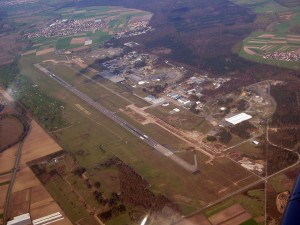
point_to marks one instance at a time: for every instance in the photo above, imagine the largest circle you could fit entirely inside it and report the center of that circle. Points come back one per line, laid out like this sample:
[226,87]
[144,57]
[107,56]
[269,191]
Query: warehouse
[234,120]
[20,220]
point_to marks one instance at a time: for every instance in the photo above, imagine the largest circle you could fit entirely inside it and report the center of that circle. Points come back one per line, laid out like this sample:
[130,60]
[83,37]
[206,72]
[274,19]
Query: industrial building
[23,219]
[234,120]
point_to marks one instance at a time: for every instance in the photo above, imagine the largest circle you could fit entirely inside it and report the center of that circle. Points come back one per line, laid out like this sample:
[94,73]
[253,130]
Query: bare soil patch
[82,48]
[3,191]
[294,39]
[7,159]
[267,36]
[28,193]
[77,41]
[4,178]
[298,51]
[19,203]
[278,42]
[282,200]
[10,131]
[233,215]
[45,51]
[34,148]
[196,219]
[249,51]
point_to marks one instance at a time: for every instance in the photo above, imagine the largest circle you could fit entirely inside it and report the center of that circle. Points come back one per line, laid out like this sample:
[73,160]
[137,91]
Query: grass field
[66,199]
[261,6]
[250,150]
[252,201]
[183,119]
[273,31]
[117,19]
[65,43]
[89,132]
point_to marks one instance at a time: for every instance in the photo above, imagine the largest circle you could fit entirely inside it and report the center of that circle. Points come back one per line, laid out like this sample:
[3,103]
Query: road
[11,183]
[245,188]
[155,145]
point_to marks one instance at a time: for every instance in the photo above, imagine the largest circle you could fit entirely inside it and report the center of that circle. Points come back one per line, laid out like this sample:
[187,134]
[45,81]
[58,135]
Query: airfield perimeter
[109,128]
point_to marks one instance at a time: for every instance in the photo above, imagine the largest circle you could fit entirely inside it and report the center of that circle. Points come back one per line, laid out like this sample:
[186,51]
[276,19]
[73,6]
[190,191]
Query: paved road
[120,121]
[12,180]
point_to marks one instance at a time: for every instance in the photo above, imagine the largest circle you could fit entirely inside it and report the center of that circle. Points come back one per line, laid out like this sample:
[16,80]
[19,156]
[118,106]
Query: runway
[155,145]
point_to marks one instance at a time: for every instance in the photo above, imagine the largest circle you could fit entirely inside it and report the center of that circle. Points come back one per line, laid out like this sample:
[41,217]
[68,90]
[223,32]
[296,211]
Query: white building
[238,118]
[20,220]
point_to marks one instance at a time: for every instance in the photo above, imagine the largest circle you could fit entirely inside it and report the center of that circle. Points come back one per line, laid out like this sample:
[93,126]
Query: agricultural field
[27,192]
[105,172]
[11,130]
[278,41]
[86,130]
[261,45]
[84,27]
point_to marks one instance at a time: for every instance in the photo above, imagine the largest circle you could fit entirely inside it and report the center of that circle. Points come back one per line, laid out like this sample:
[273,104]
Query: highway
[155,145]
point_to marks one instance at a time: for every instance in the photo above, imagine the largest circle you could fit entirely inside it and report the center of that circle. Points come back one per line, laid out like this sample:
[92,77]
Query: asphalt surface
[15,169]
[155,145]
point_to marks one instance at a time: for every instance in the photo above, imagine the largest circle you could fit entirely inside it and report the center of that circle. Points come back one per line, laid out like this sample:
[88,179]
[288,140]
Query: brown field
[249,51]
[24,179]
[82,109]
[79,48]
[29,52]
[45,51]
[136,19]
[19,203]
[28,190]
[278,42]
[77,41]
[7,159]
[233,215]
[10,130]
[267,36]
[4,178]
[34,148]
[196,219]
[298,51]
[3,190]
[293,36]
[293,39]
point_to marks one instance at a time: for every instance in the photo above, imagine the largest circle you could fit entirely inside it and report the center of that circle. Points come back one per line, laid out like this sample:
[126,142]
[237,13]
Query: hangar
[238,118]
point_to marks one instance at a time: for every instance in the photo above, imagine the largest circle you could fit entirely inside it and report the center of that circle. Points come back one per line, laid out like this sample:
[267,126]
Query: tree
[97,184]
[225,136]
[211,138]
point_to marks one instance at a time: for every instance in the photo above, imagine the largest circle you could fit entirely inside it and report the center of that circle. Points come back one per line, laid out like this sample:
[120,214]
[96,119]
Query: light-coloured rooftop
[238,118]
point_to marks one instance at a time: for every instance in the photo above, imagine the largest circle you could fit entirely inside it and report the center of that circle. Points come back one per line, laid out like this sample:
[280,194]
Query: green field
[88,132]
[261,6]
[184,119]
[275,18]
[252,201]
[119,19]
[65,43]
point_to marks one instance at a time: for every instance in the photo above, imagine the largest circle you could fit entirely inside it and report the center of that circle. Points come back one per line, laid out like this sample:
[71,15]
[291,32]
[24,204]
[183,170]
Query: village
[13,2]
[283,56]
[135,29]
[66,27]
